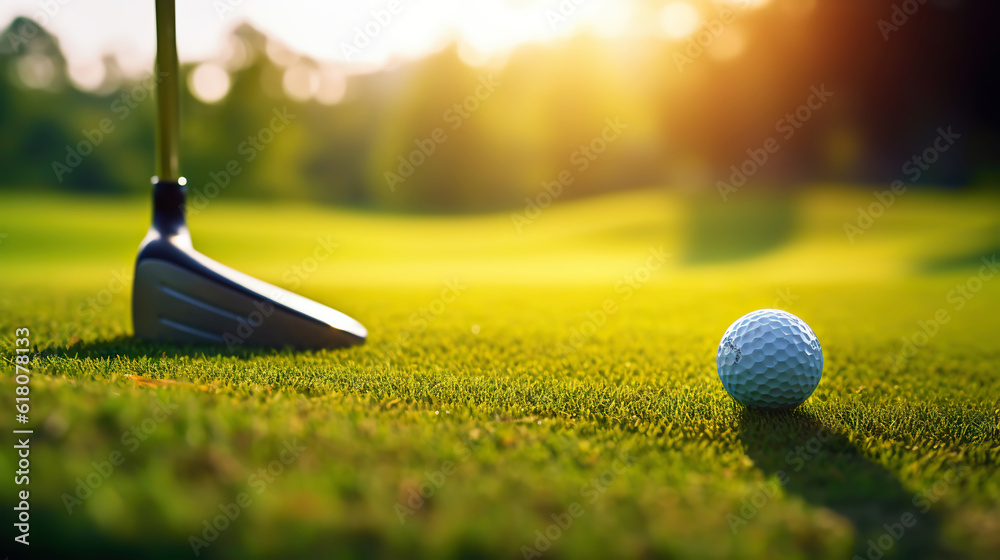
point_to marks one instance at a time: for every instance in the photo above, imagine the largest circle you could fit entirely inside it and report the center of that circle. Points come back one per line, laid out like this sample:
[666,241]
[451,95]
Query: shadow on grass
[965,261]
[822,467]
[720,231]
[131,347]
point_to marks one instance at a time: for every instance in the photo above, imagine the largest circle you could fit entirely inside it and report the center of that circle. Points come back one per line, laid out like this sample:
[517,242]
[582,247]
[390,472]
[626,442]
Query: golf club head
[181,295]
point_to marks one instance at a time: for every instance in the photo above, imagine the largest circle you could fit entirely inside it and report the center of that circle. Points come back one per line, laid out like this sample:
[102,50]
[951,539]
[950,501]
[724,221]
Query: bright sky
[327,30]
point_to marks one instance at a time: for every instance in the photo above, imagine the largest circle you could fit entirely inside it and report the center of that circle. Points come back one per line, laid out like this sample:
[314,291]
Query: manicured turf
[564,378]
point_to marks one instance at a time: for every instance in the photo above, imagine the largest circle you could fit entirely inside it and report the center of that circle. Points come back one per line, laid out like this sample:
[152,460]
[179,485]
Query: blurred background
[521,91]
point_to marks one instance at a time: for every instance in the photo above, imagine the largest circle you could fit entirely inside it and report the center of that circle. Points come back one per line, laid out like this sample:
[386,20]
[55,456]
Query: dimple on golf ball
[770,359]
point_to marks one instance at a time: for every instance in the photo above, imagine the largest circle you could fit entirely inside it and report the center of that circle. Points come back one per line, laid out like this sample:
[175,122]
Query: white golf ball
[770,359]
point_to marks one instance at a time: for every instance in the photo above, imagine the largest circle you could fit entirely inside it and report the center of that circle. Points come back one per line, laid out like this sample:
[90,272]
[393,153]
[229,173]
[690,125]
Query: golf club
[181,295]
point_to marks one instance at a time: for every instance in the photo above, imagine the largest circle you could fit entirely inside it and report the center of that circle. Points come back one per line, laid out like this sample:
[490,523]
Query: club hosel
[168,208]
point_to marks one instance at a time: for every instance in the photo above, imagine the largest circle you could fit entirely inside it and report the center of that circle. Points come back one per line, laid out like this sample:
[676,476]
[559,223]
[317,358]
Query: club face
[183,296]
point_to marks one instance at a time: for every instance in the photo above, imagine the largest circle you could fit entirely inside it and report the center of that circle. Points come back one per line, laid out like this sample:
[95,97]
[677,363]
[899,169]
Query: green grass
[510,390]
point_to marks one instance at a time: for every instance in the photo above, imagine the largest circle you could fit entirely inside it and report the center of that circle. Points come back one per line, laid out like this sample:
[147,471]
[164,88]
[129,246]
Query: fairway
[549,392]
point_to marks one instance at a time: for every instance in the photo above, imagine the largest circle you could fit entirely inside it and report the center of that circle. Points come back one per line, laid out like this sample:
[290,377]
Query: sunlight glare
[88,76]
[679,19]
[301,82]
[729,45]
[332,86]
[209,82]
[36,71]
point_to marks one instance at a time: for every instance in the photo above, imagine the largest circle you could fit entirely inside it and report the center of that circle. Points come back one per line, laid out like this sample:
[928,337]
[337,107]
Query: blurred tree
[437,134]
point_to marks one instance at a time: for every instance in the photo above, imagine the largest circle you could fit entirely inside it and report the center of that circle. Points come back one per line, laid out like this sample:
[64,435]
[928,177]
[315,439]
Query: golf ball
[770,359]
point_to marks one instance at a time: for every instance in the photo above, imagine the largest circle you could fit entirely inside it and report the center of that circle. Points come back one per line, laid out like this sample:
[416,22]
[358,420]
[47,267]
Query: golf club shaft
[167,91]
